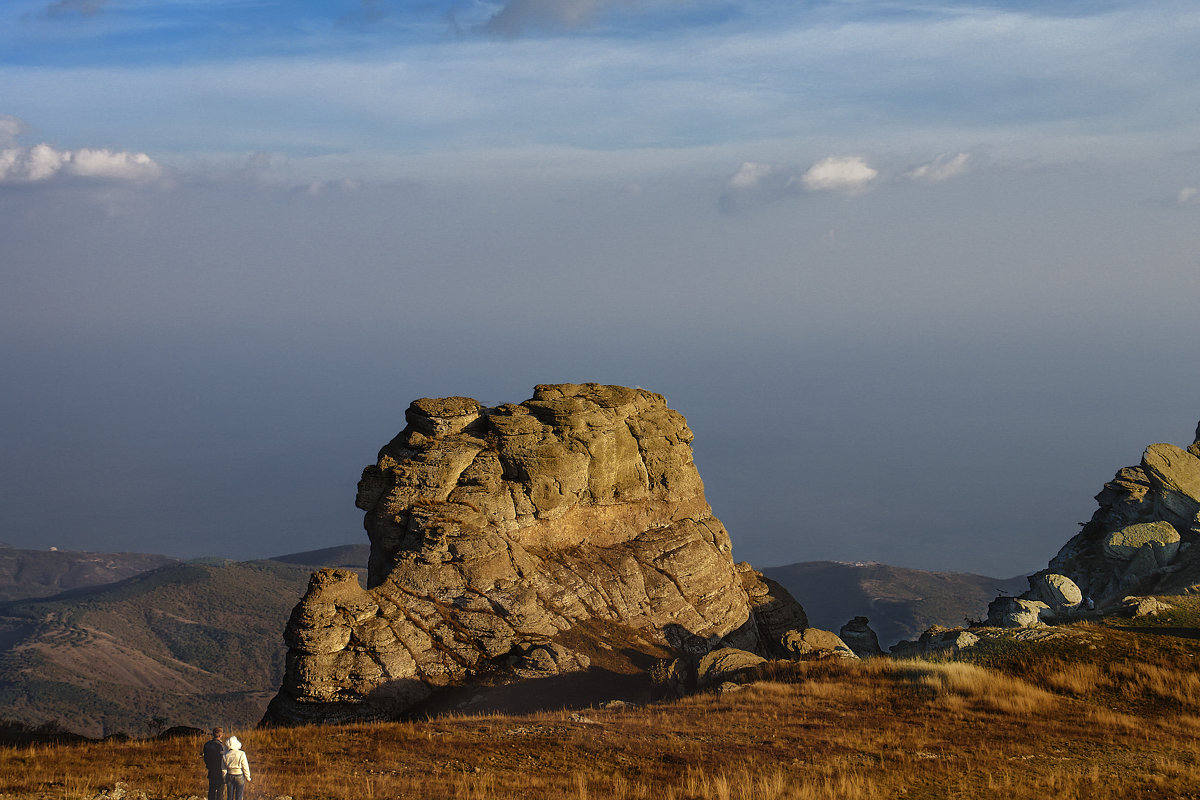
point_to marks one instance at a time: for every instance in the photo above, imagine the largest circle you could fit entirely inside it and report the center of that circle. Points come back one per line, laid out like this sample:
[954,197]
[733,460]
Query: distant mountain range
[103,643]
[194,643]
[42,573]
[900,603]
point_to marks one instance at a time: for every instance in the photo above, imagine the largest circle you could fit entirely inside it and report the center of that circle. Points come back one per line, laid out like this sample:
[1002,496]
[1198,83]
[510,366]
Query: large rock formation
[1139,540]
[506,542]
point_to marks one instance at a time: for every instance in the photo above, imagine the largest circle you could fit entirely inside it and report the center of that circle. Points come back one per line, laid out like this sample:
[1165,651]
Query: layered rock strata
[503,538]
[1138,541]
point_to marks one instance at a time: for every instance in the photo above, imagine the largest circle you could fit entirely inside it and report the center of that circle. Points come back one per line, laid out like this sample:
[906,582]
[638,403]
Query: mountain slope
[346,556]
[43,573]
[900,602]
[185,644]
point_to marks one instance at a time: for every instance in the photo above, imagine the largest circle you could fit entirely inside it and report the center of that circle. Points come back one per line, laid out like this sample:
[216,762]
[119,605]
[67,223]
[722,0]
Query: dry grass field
[1095,712]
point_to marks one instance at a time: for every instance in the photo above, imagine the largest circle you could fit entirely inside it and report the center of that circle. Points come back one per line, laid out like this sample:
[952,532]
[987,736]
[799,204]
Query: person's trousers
[216,786]
[237,786]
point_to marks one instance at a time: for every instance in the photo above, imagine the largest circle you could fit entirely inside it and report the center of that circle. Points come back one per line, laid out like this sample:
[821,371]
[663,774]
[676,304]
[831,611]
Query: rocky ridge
[1140,540]
[525,541]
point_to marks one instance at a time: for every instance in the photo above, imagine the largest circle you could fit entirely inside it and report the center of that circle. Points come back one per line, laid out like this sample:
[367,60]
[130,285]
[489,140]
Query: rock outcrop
[936,641]
[859,637]
[1137,542]
[506,541]
[1018,612]
[725,666]
[816,644]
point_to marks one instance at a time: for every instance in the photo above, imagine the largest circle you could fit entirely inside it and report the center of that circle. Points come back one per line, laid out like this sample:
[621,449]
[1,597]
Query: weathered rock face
[1137,540]
[499,534]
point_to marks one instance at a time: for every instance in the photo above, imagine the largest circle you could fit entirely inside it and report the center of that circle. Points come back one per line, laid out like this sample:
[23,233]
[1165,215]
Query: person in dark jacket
[214,760]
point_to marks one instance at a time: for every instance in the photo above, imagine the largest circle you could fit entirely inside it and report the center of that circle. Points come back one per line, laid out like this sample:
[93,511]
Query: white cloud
[107,164]
[839,174]
[1187,195]
[751,175]
[10,128]
[8,161]
[940,169]
[44,162]
[756,182]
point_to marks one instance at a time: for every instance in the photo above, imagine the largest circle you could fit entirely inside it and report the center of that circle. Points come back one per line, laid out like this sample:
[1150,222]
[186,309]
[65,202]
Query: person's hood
[233,743]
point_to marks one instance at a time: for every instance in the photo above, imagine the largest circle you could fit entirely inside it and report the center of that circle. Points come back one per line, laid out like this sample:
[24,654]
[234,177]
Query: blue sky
[921,275]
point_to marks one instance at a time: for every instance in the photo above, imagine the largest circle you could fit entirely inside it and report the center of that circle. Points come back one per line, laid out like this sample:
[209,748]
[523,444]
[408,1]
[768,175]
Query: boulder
[544,659]
[951,640]
[509,541]
[936,640]
[1017,612]
[725,665]
[814,643]
[859,637]
[1057,591]
[1159,539]
[1144,606]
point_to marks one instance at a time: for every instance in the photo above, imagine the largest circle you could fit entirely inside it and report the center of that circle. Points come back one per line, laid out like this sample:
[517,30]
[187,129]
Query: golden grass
[1141,679]
[1078,679]
[969,686]
[804,731]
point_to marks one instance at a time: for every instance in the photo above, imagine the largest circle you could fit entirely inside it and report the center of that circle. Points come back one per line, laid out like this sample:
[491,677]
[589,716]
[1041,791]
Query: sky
[921,275]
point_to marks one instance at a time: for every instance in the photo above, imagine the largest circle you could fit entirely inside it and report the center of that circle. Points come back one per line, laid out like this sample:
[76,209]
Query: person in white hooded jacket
[237,769]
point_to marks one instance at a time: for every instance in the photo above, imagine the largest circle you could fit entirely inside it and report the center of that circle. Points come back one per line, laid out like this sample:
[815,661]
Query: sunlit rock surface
[497,533]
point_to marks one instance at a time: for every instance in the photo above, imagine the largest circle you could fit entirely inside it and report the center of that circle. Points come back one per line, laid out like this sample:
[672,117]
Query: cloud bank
[44,162]
[757,182]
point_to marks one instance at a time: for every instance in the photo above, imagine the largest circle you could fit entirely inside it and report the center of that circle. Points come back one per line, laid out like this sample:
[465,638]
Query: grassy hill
[901,603]
[1105,710]
[193,644]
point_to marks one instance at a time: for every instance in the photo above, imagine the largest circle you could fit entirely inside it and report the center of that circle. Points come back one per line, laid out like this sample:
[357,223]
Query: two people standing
[227,766]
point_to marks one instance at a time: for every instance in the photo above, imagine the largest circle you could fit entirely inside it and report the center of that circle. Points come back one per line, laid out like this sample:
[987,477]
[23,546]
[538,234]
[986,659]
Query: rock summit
[524,541]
